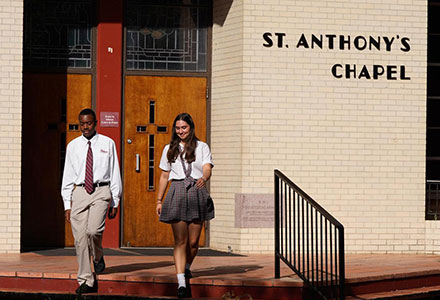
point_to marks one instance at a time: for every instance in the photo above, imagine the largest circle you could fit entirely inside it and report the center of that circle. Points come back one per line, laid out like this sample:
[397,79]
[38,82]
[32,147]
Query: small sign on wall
[109,119]
[254,211]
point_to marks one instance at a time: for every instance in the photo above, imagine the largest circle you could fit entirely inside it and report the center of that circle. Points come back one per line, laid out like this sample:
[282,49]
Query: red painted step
[430,292]
[159,287]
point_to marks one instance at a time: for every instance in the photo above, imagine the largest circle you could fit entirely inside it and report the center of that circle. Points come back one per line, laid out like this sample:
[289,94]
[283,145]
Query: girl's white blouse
[203,156]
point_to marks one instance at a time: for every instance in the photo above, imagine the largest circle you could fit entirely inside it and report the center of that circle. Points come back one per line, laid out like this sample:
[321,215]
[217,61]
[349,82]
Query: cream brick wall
[11,36]
[226,129]
[356,146]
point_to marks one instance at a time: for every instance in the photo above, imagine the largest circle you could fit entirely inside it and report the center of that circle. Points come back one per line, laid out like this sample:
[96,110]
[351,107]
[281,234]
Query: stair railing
[308,240]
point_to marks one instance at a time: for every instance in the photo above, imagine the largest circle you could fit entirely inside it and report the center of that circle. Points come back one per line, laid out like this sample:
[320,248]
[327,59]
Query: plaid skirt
[183,203]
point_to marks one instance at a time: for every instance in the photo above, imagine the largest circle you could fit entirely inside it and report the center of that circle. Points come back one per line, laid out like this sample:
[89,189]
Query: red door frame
[109,86]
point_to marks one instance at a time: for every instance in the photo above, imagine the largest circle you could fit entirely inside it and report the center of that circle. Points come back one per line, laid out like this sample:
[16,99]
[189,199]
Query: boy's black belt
[98,184]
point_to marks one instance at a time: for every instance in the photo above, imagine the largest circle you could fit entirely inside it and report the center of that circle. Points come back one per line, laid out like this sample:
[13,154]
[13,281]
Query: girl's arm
[163,182]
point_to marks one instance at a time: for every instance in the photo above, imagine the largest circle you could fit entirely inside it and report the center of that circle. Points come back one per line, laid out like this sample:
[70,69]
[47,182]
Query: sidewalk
[149,273]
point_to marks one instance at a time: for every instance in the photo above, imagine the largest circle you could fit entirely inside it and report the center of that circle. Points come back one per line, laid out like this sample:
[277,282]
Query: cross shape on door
[151,129]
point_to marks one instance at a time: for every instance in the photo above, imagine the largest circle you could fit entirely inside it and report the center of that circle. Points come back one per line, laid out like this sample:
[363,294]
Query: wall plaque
[109,119]
[254,210]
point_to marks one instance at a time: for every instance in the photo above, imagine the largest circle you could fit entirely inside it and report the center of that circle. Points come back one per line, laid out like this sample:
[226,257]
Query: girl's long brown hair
[190,142]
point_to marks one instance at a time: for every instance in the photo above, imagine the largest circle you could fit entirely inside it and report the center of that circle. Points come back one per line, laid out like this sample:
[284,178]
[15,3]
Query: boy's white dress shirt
[105,167]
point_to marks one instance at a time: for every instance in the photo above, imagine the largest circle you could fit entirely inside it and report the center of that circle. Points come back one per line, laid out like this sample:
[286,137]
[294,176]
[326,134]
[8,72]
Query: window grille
[167,35]
[58,33]
[432,206]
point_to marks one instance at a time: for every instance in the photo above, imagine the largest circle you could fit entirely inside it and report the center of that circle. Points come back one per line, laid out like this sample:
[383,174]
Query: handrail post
[277,227]
[341,264]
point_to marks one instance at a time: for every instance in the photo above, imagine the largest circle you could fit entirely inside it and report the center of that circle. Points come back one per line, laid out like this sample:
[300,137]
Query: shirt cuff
[114,203]
[66,204]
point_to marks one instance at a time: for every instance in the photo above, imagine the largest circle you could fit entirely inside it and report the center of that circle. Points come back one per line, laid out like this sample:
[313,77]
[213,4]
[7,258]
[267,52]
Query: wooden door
[79,96]
[48,99]
[151,103]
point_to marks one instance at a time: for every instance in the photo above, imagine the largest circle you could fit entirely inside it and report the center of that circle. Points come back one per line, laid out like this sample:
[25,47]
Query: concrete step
[257,290]
[13,294]
[390,283]
[425,293]
[42,295]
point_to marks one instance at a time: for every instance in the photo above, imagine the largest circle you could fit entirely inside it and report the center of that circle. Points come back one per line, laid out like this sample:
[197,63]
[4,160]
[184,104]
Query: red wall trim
[109,86]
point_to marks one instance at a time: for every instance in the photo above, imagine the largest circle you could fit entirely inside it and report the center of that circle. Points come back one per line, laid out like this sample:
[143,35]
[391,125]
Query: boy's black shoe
[85,289]
[99,266]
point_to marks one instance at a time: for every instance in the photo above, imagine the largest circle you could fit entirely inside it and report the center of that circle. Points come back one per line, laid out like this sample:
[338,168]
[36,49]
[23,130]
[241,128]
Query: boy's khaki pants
[88,222]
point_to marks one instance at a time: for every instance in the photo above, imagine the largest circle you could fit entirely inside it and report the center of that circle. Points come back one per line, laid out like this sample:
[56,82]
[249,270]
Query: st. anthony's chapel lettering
[390,72]
[346,42]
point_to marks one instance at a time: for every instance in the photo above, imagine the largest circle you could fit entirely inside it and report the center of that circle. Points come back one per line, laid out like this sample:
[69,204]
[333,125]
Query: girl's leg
[194,230]
[180,232]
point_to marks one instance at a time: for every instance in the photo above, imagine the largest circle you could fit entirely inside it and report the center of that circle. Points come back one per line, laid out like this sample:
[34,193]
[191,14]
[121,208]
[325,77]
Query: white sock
[187,266]
[181,279]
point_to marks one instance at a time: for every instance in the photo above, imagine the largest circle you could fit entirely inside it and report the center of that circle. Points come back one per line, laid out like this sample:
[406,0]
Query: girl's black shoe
[184,292]
[181,292]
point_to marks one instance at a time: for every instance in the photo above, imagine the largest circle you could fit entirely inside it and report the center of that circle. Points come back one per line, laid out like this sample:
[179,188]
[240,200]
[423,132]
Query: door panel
[79,96]
[151,104]
[46,99]
[43,125]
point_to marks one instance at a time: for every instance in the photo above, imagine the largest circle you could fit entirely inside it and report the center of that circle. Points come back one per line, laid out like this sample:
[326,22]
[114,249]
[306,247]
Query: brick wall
[11,36]
[226,128]
[356,145]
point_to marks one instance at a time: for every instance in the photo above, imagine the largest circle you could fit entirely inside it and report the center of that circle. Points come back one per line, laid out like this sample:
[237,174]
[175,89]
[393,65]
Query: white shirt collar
[92,140]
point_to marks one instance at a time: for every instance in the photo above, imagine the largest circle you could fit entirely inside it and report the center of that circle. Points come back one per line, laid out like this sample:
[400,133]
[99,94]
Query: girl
[187,163]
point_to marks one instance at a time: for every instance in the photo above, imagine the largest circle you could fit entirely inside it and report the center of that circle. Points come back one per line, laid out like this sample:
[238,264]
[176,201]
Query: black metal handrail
[308,240]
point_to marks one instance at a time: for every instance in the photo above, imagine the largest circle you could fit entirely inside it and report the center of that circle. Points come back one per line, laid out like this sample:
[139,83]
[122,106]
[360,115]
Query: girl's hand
[201,183]
[158,208]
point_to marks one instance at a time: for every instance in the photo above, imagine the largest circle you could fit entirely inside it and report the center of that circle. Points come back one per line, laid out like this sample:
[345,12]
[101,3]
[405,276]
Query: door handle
[138,163]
